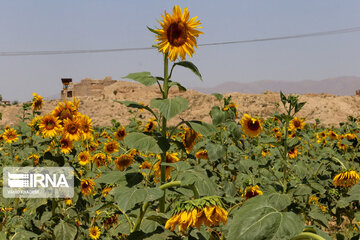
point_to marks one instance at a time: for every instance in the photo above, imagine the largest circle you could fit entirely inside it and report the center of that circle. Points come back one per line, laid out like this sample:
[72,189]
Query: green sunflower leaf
[65,230]
[142,142]
[189,65]
[261,218]
[144,78]
[170,107]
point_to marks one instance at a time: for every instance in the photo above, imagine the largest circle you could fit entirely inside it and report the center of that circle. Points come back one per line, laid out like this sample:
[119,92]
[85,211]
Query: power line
[306,35]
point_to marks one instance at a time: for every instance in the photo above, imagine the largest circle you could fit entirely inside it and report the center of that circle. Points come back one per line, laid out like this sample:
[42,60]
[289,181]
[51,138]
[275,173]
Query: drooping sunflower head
[106,191]
[84,158]
[123,161]
[297,123]
[10,135]
[193,213]
[120,133]
[87,186]
[252,192]
[66,145]
[178,33]
[94,232]
[35,158]
[189,138]
[111,147]
[251,126]
[72,129]
[49,126]
[346,179]
[37,102]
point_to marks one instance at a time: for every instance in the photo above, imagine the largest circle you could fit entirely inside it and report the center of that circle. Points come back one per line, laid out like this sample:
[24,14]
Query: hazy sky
[28,25]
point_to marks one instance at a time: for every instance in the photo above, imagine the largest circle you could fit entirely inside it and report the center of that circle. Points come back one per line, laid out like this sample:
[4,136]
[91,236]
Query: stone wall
[87,87]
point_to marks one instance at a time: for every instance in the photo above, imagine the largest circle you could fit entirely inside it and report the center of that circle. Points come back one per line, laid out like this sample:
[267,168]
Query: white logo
[38,182]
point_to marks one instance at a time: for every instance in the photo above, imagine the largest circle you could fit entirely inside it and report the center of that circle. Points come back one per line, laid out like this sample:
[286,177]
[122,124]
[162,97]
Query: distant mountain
[342,86]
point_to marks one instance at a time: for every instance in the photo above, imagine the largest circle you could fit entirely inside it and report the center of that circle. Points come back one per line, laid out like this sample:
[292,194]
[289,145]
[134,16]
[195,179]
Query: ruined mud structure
[87,87]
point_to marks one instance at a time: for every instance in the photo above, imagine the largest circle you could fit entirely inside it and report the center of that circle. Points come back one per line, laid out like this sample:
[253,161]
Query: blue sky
[28,25]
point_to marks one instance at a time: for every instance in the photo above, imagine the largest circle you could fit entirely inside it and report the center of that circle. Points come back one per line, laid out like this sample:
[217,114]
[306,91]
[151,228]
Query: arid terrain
[330,109]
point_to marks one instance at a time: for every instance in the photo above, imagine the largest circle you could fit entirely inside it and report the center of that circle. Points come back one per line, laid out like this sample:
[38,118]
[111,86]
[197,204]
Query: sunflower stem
[163,129]
[140,217]
[341,163]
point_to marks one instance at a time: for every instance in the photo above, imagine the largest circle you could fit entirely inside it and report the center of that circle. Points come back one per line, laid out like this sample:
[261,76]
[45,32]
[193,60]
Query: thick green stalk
[140,216]
[163,128]
[286,150]
[308,235]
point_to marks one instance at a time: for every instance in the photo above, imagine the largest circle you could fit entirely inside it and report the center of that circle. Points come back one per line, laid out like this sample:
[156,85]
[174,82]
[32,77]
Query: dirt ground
[330,109]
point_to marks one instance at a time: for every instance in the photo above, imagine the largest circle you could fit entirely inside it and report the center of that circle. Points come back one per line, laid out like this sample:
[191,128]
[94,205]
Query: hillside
[343,86]
[330,109]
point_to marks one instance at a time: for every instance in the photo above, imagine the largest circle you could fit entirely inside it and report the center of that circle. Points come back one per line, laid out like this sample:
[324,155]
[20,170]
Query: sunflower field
[239,177]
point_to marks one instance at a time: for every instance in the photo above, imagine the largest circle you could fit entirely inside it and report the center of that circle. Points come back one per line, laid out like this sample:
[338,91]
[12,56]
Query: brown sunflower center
[253,125]
[50,124]
[72,128]
[177,34]
[297,124]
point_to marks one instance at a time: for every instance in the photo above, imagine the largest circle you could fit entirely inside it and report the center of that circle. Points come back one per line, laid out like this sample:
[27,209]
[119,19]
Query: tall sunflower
[10,135]
[189,139]
[251,126]
[178,33]
[150,126]
[37,102]
[49,126]
[99,159]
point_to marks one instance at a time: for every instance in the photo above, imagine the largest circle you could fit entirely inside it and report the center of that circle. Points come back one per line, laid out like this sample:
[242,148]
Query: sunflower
[110,221]
[87,186]
[10,135]
[49,126]
[99,159]
[251,126]
[202,154]
[94,232]
[35,158]
[67,110]
[111,147]
[84,158]
[68,201]
[92,146]
[170,158]
[120,133]
[145,165]
[207,211]
[86,127]
[297,123]
[293,153]
[346,179]
[252,192]
[37,102]
[313,200]
[66,145]
[123,161]
[177,34]
[332,135]
[106,191]
[341,145]
[34,124]
[189,139]
[150,126]
[72,129]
